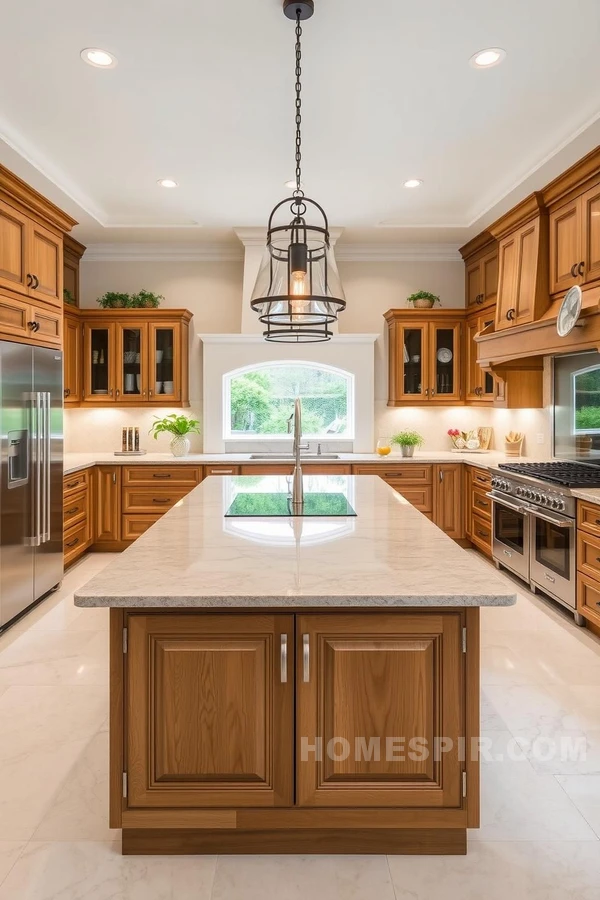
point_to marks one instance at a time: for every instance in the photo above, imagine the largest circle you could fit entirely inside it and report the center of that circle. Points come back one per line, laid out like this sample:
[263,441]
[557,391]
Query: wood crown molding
[159,314]
[75,248]
[573,178]
[445,312]
[13,187]
[527,209]
[479,244]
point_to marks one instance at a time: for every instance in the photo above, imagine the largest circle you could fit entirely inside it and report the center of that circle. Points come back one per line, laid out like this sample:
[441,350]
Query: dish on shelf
[445,355]
[129,356]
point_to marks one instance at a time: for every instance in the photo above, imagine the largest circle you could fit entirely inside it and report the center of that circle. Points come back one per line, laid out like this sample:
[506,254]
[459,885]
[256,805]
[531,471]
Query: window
[258,400]
[586,400]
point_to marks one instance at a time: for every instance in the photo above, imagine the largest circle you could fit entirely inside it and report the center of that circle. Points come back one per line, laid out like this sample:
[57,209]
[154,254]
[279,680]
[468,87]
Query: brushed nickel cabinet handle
[306,657]
[283,658]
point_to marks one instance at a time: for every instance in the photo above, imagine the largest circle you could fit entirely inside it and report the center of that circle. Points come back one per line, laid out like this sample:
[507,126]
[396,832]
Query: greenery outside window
[586,400]
[259,400]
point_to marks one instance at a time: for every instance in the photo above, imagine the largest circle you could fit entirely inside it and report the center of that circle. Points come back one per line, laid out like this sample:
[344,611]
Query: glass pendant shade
[298,291]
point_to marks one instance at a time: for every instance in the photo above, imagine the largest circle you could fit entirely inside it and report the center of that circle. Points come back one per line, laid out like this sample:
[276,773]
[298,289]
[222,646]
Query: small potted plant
[69,298]
[423,300]
[179,426]
[146,300]
[407,441]
[114,300]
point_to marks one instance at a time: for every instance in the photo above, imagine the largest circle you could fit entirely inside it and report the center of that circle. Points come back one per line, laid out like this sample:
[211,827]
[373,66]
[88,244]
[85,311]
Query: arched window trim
[228,377]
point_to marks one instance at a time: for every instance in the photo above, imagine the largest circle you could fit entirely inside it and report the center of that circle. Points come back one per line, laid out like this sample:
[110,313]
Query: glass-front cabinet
[134,357]
[424,357]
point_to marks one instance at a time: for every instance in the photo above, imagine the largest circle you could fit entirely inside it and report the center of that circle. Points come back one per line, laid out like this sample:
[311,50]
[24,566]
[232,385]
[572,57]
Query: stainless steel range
[534,524]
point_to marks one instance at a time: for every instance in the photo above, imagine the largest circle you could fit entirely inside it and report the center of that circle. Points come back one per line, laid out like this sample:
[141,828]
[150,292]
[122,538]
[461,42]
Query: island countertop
[388,555]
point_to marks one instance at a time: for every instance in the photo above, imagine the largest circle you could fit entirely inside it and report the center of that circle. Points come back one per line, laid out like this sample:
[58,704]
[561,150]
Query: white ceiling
[203,93]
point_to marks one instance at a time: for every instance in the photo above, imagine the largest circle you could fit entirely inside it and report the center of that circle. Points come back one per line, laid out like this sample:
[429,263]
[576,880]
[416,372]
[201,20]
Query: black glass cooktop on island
[255,504]
[568,474]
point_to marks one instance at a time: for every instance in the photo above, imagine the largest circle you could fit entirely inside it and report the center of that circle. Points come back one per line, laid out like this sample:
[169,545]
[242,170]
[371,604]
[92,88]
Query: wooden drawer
[588,518]
[588,555]
[419,497]
[178,476]
[480,504]
[76,541]
[588,598]
[411,473]
[146,500]
[221,470]
[134,526]
[14,315]
[481,534]
[48,324]
[76,482]
[480,478]
[75,508]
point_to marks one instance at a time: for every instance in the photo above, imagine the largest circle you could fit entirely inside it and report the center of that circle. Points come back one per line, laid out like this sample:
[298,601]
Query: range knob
[561,505]
[519,492]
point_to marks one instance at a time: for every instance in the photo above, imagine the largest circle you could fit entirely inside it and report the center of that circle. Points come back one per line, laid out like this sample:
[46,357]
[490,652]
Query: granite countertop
[592,495]
[73,462]
[389,555]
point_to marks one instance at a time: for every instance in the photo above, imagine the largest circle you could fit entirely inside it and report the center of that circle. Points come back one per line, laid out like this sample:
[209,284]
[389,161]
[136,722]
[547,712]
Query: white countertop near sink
[388,555]
[73,462]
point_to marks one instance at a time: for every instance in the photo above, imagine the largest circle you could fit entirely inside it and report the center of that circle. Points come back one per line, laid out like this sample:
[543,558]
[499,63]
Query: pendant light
[298,292]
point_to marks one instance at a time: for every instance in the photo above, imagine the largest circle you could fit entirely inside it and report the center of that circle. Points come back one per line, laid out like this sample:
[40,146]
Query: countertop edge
[300,603]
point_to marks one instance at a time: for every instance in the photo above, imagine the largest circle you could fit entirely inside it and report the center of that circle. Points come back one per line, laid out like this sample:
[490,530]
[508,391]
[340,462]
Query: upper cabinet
[425,358]
[129,357]
[481,272]
[72,253]
[575,241]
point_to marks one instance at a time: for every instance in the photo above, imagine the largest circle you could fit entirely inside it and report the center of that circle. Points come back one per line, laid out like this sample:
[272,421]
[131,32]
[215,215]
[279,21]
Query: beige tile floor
[540,834]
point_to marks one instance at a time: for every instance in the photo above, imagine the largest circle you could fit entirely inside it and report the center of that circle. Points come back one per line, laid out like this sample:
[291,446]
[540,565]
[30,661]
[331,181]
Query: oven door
[553,555]
[510,535]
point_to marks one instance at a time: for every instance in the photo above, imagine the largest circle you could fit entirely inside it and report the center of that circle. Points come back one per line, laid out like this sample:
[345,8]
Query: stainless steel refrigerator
[31,469]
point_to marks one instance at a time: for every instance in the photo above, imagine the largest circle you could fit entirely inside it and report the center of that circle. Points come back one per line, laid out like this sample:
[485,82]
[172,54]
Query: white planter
[406,451]
[180,446]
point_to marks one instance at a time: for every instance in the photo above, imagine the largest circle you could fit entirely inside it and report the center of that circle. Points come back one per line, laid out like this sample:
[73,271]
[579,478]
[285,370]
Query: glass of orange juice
[384,446]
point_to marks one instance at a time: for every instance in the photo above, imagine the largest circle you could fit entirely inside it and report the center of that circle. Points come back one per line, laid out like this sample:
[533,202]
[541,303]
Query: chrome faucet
[297,487]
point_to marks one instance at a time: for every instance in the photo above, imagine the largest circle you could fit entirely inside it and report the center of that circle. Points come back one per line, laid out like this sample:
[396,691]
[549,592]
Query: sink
[290,456]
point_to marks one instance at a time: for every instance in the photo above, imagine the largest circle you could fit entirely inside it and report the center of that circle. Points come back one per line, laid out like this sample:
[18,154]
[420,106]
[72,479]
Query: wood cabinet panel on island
[107,504]
[588,566]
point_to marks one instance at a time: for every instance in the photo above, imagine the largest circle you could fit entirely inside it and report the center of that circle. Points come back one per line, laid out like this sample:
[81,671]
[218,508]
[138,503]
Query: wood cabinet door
[444,362]
[48,323]
[448,499]
[507,282]
[565,246]
[359,740]
[99,363]
[473,283]
[165,372]
[14,228]
[131,362]
[45,253]
[590,211]
[489,278]
[474,388]
[412,365]
[14,316]
[528,241]
[209,718]
[107,504]
[72,339]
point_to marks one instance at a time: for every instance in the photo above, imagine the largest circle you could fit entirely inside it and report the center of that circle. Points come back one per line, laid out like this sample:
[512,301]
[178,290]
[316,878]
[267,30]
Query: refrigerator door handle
[35,432]
[47,457]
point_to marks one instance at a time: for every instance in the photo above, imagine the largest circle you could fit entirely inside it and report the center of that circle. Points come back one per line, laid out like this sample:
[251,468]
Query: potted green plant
[423,300]
[407,441]
[146,300]
[179,426]
[114,300]
[69,298]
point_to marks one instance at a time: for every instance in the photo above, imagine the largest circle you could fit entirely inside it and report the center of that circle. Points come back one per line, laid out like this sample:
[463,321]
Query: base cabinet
[107,504]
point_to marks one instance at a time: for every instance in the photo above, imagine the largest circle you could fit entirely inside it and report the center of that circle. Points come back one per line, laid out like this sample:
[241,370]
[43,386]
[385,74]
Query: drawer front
[76,482]
[146,500]
[134,526]
[408,472]
[221,470]
[480,504]
[419,497]
[588,518]
[588,598]
[588,555]
[480,478]
[75,509]
[76,541]
[481,534]
[178,476]
[287,469]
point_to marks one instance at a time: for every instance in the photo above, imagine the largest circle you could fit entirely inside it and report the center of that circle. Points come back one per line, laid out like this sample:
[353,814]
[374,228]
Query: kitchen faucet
[297,487]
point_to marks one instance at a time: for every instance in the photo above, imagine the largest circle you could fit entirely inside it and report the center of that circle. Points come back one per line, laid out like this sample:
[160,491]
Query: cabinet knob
[479,299]
[37,282]
[29,280]
[510,314]
[67,392]
[118,392]
[573,270]
[581,268]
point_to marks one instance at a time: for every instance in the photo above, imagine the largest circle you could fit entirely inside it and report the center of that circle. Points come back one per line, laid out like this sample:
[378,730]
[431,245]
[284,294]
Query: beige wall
[213,293]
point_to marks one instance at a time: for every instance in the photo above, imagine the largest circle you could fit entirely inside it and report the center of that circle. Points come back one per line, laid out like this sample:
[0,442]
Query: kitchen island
[306,684]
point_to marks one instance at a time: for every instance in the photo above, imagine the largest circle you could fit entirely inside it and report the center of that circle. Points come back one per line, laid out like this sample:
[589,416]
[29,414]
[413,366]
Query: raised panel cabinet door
[507,283]
[99,363]
[72,339]
[473,283]
[528,241]
[14,316]
[13,249]
[209,720]
[590,209]
[45,254]
[48,325]
[489,278]
[374,693]
[448,499]
[107,504]
[566,251]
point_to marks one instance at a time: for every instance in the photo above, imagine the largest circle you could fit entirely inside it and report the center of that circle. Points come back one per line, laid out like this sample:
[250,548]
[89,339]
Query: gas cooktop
[568,474]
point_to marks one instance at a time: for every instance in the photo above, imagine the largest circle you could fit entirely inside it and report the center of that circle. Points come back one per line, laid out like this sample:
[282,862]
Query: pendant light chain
[298,193]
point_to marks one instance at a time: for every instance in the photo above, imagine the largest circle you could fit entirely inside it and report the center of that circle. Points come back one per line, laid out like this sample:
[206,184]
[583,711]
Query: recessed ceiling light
[167,182]
[485,59]
[413,182]
[101,59]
